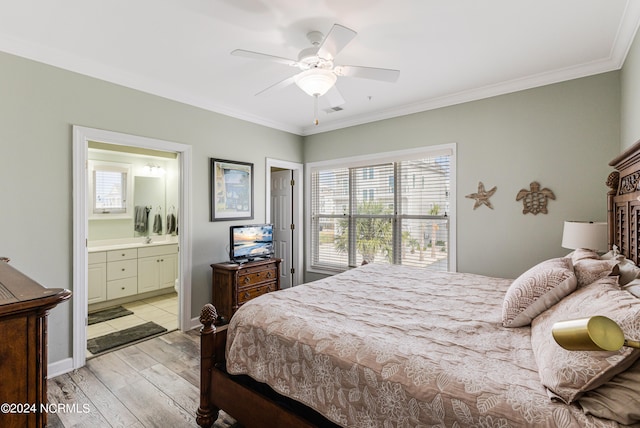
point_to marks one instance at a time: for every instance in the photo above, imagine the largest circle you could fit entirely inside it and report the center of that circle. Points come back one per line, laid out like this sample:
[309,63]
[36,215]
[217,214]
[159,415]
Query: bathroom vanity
[126,271]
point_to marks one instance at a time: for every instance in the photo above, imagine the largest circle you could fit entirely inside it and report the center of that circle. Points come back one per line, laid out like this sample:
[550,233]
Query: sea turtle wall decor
[535,199]
[482,196]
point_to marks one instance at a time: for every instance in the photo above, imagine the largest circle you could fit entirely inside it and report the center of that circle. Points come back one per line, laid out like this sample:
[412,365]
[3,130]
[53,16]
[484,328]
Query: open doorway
[151,270]
[284,211]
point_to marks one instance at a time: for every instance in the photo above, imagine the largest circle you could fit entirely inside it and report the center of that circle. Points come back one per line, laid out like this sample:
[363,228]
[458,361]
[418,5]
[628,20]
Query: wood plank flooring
[150,384]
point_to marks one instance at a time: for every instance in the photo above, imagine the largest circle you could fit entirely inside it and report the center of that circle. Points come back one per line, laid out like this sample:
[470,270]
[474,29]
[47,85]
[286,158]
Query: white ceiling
[448,51]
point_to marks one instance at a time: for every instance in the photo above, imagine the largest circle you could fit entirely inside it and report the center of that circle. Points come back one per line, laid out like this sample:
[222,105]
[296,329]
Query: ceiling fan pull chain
[315,108]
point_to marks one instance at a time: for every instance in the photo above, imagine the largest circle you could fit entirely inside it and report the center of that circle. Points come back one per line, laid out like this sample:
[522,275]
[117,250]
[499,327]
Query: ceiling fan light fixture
[316,82]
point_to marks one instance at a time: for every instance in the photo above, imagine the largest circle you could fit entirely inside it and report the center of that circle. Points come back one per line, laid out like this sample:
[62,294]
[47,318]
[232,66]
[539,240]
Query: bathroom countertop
[98,246]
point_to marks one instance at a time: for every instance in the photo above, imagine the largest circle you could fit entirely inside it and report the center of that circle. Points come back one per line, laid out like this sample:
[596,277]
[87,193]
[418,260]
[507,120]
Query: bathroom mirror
[149,192]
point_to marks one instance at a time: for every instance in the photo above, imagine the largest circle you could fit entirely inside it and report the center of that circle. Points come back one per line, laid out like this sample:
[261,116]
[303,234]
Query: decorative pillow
[618,399]
[633,287]
[628,270]
[582,254]
[568,374]
[536,290]
[589,270]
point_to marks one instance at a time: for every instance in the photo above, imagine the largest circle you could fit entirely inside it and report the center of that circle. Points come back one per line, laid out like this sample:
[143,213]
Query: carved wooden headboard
[623,203]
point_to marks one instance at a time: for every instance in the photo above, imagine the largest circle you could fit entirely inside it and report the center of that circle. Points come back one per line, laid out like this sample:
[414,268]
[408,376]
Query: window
[110,189]
[392,208]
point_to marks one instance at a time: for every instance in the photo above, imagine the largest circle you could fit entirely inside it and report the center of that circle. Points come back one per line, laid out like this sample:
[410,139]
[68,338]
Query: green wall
[561,135]
[38,106]
[630,95]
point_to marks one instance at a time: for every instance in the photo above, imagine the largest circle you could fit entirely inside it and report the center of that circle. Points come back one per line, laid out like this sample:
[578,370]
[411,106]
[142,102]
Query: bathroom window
[110,188]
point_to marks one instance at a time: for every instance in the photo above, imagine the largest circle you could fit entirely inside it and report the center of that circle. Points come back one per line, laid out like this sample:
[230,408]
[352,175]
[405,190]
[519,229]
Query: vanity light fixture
[154,170]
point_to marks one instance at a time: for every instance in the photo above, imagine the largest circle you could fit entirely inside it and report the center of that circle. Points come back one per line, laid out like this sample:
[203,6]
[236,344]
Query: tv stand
[235,284]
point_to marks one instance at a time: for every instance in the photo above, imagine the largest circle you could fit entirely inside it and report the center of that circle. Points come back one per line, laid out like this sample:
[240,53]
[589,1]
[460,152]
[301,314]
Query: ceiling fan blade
[383,74]
[334,97]
[336,40]
[261,56]
[281,84]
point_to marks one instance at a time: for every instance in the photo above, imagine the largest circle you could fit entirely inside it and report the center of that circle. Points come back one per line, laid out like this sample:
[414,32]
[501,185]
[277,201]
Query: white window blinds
[110,188]
[383,211]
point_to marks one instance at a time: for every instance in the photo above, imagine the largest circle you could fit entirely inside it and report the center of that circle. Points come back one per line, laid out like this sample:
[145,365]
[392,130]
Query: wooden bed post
[207,414]
[612,183]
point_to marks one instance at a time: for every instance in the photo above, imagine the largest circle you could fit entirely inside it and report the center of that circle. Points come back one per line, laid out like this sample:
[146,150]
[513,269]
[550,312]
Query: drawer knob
[122,254]
[122,269]
[268,274]
[246,295]
[246,280]
[122,288]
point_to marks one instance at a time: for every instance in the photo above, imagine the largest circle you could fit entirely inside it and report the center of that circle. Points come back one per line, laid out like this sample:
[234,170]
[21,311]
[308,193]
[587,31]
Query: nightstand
[235,284]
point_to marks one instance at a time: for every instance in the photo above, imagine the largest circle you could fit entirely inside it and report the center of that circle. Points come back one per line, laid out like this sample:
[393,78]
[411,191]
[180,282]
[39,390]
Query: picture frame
[231,190]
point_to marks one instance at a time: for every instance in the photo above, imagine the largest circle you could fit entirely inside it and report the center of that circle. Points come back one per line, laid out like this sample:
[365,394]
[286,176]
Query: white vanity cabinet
[119,273]
[97,277]
[157,267]
[122,273]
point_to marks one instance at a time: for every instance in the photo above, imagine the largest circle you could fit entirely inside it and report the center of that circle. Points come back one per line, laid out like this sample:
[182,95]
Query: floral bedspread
[395,346]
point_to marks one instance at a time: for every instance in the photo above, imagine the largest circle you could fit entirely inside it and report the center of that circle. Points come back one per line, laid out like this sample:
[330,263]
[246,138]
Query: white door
[282,219]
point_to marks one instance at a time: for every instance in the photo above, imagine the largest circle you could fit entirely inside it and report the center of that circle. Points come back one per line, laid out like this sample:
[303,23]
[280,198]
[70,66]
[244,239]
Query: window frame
[124,168]
[372,159]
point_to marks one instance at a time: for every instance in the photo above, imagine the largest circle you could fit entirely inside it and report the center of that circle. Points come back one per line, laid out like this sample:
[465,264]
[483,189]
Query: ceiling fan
[318,73]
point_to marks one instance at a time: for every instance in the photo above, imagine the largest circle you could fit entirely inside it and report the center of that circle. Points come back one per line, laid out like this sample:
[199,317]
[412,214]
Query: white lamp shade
[585,234]
[316,81]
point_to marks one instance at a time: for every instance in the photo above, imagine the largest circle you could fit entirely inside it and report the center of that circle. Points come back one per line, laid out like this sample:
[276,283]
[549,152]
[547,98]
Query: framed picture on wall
[231,190]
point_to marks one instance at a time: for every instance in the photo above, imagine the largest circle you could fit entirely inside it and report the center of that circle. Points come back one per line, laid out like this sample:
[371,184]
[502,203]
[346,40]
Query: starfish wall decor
[482,196]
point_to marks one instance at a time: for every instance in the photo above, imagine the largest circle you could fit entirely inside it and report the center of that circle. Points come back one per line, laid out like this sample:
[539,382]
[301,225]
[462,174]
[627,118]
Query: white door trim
[81,138]
[298,218]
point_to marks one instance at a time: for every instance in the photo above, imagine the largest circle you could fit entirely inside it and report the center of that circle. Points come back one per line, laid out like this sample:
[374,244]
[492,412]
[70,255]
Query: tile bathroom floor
[162,310]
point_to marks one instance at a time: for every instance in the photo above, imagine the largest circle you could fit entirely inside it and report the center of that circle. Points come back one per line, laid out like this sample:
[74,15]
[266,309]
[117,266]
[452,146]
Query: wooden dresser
[235,284]
[24,305]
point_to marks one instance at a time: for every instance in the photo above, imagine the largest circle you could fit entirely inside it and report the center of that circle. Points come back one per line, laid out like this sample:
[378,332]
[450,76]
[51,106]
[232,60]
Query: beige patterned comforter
[395,346]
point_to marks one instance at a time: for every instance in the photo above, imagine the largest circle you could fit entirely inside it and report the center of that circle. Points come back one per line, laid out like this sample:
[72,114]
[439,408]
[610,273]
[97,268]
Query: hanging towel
[141,221]
[157,224]
[171,224]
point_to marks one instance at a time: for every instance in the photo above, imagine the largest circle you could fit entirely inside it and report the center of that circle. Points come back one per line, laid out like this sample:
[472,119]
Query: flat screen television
[251,242]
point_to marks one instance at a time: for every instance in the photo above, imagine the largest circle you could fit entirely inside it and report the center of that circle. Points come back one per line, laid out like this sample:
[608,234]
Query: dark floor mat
[124,337]
[108,314]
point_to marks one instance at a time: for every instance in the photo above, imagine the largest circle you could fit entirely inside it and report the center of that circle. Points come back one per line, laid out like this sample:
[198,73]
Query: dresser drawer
[123,269]
[249,278]
[99,257]
[126,254]
[246,294]
[157,250]
[121,288]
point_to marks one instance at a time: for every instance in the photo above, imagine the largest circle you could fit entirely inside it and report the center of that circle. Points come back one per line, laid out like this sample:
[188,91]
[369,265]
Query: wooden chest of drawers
[235,284]
[24,305]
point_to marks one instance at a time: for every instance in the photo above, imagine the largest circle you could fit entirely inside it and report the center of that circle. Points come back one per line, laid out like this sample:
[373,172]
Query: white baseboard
[59,367]
[195,323]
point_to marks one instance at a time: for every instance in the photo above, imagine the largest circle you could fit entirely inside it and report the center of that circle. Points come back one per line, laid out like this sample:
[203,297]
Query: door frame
[81,137]
[298,217]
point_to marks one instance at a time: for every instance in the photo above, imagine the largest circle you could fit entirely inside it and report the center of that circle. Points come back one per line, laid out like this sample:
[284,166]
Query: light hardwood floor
[150,384]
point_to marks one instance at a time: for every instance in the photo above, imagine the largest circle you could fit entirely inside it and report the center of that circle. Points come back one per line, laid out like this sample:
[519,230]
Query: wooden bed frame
[260,407]
[623,203]
[238,395]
